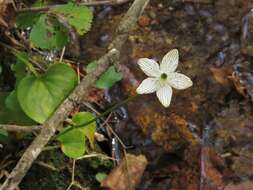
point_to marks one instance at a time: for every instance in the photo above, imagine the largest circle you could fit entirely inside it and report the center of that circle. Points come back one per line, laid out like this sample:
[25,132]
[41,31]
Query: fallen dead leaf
[238,85]
[127,175]
[246,185]
[221,75]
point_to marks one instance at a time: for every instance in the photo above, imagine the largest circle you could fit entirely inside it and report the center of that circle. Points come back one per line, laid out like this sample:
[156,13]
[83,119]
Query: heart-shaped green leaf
[40,96]
[10,112]
[48,33]
[27,19]
[79,17]
[88,130]
[109,78]
[11,102]
[74,141]
[19,68]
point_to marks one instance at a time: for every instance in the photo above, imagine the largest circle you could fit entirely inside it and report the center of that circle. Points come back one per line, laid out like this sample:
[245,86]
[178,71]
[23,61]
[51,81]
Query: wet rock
[104,12]
[242,78]
[104,40]
[207,36]
[231,12]
[243,165]
[232,133]
[246,185]
[247,34]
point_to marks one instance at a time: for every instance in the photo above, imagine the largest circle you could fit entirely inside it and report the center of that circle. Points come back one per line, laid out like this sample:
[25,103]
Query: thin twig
[105,122]
[46,165]
[78,185]
[21,129]
[48,148]
[95,155]
[73,181]
[72,175]
[76,97]
[62,53]
[127,171]
[78,72]
[91,3]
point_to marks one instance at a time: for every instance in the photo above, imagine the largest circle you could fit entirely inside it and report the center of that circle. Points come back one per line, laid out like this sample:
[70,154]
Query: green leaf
[40,96]
[73,143]
[100,176]
[14,117]
[39,3]
[48,33]
[1,69]
[3,135]
[91,66]
[10,116]
[11,102]
[19,68]
[79,17]
[109,78]
[27,19]
[23,58]
[88,130]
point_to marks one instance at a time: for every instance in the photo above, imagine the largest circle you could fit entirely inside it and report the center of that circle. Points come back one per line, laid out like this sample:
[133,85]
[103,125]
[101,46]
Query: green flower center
[163,76]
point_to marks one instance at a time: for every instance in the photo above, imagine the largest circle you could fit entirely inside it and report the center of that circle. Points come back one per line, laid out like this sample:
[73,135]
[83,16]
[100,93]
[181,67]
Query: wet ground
[204,139]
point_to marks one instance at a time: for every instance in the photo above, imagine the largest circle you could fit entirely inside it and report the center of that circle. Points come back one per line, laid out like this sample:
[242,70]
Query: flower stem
[73,126]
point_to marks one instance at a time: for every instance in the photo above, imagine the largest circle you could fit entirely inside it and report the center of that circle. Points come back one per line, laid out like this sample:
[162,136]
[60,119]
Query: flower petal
[149,67]
[164,95]
[170,61]
[147,86]
[179,81]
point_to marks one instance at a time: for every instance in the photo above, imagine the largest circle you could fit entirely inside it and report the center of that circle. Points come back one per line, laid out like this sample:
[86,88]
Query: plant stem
[51,147]
[73,126]
[19,56]
[26,62]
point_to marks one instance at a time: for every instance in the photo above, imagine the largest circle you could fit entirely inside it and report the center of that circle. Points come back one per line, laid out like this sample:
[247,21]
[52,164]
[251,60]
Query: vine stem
[74,126]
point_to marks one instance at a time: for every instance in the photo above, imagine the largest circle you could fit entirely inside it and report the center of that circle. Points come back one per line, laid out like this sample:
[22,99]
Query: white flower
[162,78]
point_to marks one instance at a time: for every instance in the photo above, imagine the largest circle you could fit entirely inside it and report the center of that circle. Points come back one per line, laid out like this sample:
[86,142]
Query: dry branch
[89,3]
[80,92]
[22,129]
